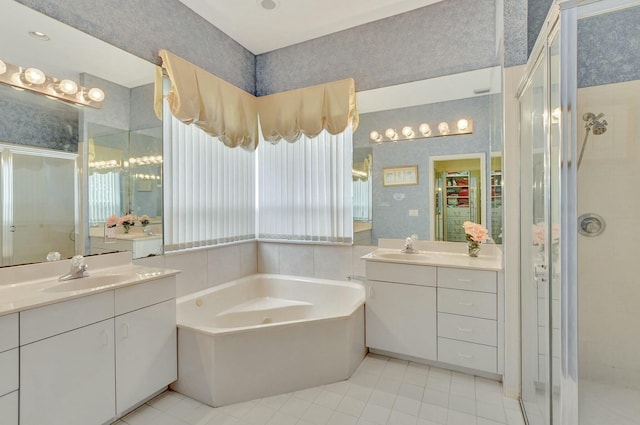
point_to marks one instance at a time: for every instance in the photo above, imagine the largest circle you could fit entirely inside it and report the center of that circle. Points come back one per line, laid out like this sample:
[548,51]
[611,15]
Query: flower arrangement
[112,221]
[539,239]
[127,221]
[144,220]
[475,234]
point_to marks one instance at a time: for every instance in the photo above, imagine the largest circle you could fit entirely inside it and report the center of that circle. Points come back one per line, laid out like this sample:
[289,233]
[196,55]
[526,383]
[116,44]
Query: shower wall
[608,266]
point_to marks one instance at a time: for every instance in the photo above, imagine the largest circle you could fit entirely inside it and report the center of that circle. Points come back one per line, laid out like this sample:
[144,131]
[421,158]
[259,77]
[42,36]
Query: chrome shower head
[594,124]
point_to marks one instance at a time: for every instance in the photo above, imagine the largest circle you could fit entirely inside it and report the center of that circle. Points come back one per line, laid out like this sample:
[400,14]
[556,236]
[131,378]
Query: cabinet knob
[465,356]
[125,330]
[467,330]
[105,338]
[465,304]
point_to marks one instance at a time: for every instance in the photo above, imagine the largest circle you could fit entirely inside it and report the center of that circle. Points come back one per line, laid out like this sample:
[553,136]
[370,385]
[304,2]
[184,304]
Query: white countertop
[27,294]
[436,258]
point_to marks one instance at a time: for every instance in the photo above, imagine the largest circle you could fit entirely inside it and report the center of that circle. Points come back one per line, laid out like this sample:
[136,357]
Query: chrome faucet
[78,269]
[408,245]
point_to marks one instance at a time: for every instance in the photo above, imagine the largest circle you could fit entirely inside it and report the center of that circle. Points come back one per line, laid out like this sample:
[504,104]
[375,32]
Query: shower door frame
[562,21]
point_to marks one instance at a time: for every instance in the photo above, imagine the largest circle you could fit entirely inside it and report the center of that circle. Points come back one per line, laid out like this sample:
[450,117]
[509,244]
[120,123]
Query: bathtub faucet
[78,269]
[408,245]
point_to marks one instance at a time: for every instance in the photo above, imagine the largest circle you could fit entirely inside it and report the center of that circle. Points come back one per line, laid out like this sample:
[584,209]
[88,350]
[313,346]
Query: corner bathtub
[268,334]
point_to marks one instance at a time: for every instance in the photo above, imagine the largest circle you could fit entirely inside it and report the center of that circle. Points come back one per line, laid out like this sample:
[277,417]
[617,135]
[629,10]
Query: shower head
[594,123]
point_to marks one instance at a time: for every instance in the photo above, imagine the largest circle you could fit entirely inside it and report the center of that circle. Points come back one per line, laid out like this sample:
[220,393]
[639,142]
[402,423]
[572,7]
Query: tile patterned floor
[607,404]
[382,391]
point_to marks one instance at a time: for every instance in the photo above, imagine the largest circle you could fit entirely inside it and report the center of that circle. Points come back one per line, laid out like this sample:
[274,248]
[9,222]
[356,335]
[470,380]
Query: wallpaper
[144,27]
[444,38]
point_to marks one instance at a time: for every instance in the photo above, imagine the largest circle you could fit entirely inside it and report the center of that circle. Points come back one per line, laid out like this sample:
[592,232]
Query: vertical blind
[304,189]
[362,199]
[209,189]
[104,196]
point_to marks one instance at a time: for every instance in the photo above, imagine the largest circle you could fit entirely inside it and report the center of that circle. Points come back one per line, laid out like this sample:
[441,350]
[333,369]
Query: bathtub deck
[263,304]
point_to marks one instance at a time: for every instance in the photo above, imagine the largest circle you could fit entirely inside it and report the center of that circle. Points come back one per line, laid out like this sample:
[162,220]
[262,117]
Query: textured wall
[144,27]
[515,32]
[33,120]
[444,38]
[609,48]
[391,216]
[142,114]
[536,13]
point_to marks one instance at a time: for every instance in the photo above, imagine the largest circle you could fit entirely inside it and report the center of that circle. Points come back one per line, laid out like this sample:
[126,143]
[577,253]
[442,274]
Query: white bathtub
[268,334]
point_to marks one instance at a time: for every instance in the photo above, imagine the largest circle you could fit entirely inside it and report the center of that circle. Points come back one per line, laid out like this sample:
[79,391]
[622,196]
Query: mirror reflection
[76,111]
[400,210]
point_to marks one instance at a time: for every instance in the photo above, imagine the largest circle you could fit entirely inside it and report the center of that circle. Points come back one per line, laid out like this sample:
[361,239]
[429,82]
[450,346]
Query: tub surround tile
[332,262]
[223,264]
[194,271]
[248,258]
[268,258]
[295,259]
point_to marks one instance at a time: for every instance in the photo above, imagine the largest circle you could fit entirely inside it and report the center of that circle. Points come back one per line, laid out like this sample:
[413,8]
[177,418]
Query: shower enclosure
[580,164]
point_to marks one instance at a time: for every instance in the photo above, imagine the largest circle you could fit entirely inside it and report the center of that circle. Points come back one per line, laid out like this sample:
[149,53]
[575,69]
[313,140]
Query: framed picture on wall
[400,176]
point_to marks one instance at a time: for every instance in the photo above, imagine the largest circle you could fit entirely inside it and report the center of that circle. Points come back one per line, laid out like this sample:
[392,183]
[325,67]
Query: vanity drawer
[401,273]
[470,280]
[467,354]
[8,332]
[54,319]
[467,303]
[470,329]
[138,296]
[9,380]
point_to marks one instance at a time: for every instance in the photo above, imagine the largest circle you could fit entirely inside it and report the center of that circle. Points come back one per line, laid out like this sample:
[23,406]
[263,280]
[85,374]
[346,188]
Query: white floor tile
[383,391]
[400,418]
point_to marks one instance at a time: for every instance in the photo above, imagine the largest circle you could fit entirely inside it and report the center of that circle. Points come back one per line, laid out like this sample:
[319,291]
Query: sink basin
[89,282]
[400,256]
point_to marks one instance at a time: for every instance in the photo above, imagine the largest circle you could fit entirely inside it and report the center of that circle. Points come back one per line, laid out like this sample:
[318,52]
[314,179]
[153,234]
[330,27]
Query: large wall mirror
[458,176]
[68,170]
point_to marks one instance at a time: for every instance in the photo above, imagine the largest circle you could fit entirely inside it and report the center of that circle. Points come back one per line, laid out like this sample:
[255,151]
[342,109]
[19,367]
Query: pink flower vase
[473,248]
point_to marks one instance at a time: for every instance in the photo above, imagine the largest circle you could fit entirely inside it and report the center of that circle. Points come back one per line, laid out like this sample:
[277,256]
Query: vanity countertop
[436,258]
[27,294]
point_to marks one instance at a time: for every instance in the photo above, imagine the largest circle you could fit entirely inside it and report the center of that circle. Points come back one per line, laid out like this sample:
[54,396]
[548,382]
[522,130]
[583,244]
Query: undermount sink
[402,256]
[89,282]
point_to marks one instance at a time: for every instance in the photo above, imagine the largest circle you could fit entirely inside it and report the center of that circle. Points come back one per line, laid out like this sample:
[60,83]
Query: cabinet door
[401,319]
[68,379]
[146,353]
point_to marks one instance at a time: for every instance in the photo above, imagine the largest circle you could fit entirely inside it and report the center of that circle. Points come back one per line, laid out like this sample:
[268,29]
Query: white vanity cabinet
[401,309]
[146,352]
[67,362]
[91,359]
[468,318]
[451,315]
[9,379]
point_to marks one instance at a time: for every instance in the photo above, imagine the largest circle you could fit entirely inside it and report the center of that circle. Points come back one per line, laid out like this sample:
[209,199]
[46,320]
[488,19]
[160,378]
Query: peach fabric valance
[231,114]
[308,111]
[217,107]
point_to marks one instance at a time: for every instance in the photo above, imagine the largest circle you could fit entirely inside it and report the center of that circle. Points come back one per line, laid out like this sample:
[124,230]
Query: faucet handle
[77,260]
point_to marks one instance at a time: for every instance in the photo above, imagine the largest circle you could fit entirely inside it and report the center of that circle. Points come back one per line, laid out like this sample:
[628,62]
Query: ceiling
[293,21]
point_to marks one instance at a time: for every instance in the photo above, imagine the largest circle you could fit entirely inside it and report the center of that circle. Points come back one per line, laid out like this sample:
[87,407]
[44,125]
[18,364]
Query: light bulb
[391,134]
[462,125]
[34,76]
[375,136]
[443,128]
[3,67]
[96,95]
[68,87]
[425,130]
[408,132]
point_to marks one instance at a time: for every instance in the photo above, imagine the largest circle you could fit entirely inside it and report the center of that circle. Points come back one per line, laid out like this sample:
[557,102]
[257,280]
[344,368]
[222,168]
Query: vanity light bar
[35,80]
[453,128]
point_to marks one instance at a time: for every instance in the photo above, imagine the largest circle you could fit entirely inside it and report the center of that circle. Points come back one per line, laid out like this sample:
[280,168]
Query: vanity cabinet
[91,359]
[9,380]
[438,313]
[67,362]
[146,353]
[401,309]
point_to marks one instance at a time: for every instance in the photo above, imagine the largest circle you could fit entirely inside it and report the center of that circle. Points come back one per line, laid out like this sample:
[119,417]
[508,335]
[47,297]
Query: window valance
[231,114]
[217,107]
[288,115]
